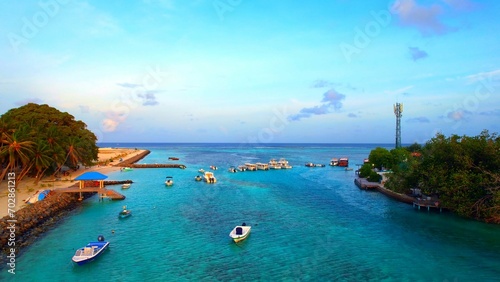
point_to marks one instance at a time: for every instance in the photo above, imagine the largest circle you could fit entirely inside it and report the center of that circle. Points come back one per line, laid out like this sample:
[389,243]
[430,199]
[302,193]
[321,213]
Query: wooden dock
[103,192]
[427,203]
[362,183]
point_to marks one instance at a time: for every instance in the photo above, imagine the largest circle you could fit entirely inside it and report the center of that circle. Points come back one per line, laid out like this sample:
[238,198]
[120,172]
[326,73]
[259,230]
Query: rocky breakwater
[134,159]
[28,223]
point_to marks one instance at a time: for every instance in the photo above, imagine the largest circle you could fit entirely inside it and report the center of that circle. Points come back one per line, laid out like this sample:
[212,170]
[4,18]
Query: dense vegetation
[464,172]
[39,139]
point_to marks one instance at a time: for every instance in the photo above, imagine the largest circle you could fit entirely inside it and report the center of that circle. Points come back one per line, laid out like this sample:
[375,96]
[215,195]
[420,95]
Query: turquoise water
[307,224]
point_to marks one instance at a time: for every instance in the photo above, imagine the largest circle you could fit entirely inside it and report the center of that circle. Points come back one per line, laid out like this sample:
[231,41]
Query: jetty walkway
[362,183]
[103,192]
[131,162]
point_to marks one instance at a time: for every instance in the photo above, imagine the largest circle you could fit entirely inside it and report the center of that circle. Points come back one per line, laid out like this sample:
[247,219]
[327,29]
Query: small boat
[262,166]
[344,162]
[251,167]
[348,168]
[198,178]
[309,164]
[273,164]
[319,165]
[334,162]
[242,168]
[201,170]
[90,251]
[233,169]
[240,232]
[173,158]
[126,185]
[38,196]
[169,181]
[209,177]
[124,213]
[284,164]
[212,167]
[127,169]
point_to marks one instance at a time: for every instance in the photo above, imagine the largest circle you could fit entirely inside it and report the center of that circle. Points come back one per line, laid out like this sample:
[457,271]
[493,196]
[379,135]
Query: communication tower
[398,110]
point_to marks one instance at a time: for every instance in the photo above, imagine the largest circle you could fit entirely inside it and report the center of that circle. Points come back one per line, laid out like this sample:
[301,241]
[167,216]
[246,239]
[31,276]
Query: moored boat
[251,167]
[169,181]
[344,162]
[242,168]
[209,177]
[126,185]
[334,162]
[232,169]
[198,178]
[273,164]
[127,169]
[262,166]
[240,233]
[91,251]
[124,213]
[173,158]
[284,163]
[38,196]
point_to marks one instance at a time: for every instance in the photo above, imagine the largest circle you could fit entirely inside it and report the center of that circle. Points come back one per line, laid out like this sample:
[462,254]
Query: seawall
[362,183]
[134,159]
[34,219]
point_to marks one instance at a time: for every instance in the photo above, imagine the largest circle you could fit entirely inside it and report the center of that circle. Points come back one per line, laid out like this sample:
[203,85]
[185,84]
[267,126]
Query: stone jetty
[131,162]
[34,219]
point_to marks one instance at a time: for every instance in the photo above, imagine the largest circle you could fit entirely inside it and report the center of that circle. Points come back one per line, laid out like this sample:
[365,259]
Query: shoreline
[27,188]
[29,221]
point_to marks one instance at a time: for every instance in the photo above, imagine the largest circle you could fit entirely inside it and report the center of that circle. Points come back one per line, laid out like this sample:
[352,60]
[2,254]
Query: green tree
[463,171]
[365,170]
[59,138]
[16,152]
[415,147]
[380,157]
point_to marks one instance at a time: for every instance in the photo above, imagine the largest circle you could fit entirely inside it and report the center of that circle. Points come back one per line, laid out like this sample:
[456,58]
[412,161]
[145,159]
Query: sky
[256,71]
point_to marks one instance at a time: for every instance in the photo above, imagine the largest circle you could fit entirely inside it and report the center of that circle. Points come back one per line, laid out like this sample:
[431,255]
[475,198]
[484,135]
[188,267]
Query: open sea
[308,224]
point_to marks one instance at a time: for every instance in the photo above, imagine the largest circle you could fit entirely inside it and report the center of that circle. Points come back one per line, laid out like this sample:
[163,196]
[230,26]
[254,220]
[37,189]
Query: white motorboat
[90,251]
[240,233]
[209,177]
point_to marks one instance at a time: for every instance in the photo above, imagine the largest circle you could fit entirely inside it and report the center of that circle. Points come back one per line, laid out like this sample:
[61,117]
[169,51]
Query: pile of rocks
[34,219]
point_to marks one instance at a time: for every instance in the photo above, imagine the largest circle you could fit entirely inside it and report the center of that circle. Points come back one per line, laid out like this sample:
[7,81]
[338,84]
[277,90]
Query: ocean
[308,224]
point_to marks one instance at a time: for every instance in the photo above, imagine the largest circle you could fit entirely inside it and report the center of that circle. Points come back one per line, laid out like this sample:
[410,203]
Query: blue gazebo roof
[92,175]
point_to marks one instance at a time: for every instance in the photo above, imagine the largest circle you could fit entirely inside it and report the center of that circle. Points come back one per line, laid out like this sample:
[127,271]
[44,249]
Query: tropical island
[42,145]
[462,172]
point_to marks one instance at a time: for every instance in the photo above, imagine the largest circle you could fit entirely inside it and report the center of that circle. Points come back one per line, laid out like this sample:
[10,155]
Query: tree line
[38,140]
[463,171]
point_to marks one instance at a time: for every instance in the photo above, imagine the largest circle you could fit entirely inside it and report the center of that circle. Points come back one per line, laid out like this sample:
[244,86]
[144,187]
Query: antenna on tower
[398,111]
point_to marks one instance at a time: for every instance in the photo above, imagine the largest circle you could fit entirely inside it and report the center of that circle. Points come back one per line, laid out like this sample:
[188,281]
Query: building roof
[92,175]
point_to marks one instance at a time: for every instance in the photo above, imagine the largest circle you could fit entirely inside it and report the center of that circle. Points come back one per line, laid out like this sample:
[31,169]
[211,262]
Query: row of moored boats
[272,164]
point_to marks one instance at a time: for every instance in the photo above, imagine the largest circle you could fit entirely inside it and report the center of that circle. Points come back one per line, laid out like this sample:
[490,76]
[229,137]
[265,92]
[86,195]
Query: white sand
[27,187]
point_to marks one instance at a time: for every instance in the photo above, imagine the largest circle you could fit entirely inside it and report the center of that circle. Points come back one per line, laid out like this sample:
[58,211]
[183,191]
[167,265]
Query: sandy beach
[27,187]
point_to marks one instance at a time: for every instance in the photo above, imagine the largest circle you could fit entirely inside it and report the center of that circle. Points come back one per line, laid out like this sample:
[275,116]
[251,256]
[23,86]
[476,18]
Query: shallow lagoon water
[307,224]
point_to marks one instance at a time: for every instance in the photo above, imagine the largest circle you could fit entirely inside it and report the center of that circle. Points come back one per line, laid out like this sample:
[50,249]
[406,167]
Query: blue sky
[256,71]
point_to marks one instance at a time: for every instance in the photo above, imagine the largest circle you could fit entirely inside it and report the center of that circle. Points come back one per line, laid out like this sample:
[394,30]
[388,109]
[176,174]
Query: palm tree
[73,155]
[42,159]
[73,149]
[17,151]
